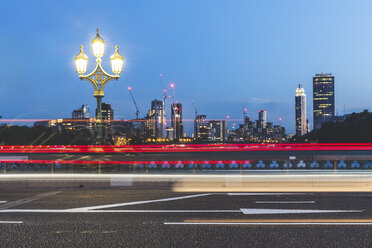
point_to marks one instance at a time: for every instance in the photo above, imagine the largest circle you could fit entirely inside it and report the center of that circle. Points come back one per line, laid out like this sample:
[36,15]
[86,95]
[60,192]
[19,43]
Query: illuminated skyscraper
[300,102]
[261,119]
[201,127]
[176,116]
[107,113]
[157,119]
[323,98]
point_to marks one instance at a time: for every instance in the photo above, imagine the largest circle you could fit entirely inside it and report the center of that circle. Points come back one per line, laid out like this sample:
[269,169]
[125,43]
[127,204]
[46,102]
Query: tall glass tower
[300,103]
[176,116]
[157,119]
[323,98]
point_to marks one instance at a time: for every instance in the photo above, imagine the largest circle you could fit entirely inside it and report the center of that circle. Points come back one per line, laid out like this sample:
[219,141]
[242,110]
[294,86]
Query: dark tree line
[24,135]
[356,128]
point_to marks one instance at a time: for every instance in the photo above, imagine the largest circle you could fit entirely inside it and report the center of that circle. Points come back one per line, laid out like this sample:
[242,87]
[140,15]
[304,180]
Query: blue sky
[217,53]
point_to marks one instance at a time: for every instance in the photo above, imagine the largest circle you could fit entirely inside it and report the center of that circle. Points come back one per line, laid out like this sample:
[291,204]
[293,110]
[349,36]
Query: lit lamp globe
[81,62]
[117,62]
[98,46]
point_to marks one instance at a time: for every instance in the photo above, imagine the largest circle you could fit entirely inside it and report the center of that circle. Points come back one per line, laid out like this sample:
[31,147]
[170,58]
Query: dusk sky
[217,53]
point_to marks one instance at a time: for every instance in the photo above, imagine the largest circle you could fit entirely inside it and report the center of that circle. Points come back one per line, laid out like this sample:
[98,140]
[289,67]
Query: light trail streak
[173,148]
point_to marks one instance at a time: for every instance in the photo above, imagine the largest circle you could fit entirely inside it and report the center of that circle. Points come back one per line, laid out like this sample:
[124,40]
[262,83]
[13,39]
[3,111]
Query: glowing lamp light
[98,46]
[172,85]
[81,61]
[117,62]
[129,88]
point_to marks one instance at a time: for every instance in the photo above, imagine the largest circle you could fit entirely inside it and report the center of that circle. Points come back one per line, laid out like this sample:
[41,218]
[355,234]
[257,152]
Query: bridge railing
[184,166]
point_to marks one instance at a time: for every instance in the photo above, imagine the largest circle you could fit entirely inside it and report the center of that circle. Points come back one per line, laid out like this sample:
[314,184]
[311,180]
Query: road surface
[133,217]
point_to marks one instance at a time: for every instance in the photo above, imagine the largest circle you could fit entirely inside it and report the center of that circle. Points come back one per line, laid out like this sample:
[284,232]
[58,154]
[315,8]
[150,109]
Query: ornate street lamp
[98,78]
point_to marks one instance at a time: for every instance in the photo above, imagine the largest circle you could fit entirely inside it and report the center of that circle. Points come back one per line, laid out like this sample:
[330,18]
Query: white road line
[113,211]
[237,194]
[165,211]
[137,202]
[35,211]
[29,199]
[284,202]
[293,211]
[248,211]
[11,222]
[3,201]
[271,223]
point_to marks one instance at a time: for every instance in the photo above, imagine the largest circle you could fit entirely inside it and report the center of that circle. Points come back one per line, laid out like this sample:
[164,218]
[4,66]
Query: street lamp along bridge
[99,78]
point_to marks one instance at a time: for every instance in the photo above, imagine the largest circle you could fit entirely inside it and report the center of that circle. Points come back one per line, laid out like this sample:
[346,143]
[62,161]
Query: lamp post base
[99,137]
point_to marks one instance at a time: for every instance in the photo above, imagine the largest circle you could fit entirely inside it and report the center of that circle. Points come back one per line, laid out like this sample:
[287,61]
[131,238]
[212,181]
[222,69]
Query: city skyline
[217,63]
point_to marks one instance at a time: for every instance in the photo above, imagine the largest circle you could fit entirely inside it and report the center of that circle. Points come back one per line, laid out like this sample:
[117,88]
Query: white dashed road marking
[11,222]
[285,202]
[242,194]
[270,223]
[294,211]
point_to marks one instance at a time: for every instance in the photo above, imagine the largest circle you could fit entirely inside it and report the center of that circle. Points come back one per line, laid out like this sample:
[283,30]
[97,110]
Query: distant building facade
[81,113]
[300,108]
[258,131]
[323,99]
[107,113]
[201,127]
[218,130]
[80,120]
[176,119]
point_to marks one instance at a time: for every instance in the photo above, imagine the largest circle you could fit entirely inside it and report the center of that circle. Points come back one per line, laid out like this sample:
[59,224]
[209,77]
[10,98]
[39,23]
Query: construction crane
[164,96]
[196,111]
[134,101]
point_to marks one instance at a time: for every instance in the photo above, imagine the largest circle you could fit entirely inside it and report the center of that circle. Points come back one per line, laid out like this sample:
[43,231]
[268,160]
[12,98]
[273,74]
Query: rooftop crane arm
[196,112]
[134,101]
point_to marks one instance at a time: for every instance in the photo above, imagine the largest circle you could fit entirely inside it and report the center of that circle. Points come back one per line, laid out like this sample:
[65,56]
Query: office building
[323,99]
[300,110]
[170,133]
[107,113]
[261,119]
[176,119]
[218,130]
[201,127]
[156,119]
[81,113]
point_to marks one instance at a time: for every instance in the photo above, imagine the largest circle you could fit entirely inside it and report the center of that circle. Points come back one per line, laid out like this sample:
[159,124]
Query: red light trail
[172,148]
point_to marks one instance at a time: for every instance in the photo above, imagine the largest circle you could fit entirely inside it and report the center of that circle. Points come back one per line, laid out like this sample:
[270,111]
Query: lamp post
[98,78]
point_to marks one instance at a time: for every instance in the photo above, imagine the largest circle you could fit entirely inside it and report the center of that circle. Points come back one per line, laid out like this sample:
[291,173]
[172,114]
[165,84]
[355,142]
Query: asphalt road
[162,218]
